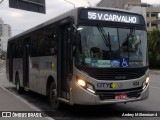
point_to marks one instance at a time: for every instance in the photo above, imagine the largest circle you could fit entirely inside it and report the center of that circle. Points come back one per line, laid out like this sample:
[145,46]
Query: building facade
[115,3]
[5,34]
[151,14]
[153,18]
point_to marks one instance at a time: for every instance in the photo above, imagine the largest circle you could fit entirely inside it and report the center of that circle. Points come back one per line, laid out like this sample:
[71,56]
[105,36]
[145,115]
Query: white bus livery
[87,56]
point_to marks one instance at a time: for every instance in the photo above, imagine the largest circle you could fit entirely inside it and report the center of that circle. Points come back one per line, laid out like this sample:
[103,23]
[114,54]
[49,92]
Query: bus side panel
[41,68]
[48,66]
[33,71]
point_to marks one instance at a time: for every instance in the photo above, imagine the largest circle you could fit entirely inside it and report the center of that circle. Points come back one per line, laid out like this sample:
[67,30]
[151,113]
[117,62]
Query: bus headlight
[90,88]
[85,85]
[145,83]
[81,82]
[147,80]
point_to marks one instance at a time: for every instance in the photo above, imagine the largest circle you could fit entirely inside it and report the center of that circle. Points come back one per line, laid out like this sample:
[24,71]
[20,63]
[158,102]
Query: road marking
[23,100]
[155,87]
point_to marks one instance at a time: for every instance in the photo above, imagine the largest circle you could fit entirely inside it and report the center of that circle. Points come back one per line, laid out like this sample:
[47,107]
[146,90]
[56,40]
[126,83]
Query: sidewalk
[11,103]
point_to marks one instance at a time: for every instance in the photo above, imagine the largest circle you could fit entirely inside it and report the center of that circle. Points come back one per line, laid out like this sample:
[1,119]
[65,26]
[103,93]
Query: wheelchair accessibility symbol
[124,62]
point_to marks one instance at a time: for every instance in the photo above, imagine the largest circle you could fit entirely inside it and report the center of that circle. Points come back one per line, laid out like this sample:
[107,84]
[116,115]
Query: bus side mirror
[74,38]
[77,39]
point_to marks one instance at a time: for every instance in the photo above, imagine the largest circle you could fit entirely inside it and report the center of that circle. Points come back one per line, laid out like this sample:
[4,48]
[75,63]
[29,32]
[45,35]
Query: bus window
[51,42]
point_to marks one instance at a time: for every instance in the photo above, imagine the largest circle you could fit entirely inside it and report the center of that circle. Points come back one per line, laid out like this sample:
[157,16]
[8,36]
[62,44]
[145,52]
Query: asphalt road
[104,112]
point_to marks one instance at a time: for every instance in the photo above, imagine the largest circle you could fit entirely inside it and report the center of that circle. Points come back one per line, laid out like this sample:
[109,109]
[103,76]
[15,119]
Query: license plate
[121,96]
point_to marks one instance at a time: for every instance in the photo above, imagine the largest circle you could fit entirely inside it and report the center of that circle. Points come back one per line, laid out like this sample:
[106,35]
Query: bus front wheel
[18,87]
[55,103]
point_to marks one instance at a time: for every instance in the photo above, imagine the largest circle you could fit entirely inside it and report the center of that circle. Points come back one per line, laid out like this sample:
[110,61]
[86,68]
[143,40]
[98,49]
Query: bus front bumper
[84,97]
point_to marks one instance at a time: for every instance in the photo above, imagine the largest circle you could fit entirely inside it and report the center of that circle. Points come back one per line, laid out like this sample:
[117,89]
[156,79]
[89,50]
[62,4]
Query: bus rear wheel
[18,87]
[55,103]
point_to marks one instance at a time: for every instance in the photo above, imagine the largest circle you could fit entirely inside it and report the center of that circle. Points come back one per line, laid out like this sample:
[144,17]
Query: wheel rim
[53,97]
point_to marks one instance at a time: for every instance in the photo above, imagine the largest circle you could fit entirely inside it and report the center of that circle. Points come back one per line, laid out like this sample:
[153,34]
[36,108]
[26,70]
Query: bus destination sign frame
[110,16]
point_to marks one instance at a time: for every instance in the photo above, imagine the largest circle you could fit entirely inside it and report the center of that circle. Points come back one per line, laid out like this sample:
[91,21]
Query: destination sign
[112,16]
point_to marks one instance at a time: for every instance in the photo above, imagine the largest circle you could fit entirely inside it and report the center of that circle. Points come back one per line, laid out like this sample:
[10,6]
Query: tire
[56,104]
[18,87]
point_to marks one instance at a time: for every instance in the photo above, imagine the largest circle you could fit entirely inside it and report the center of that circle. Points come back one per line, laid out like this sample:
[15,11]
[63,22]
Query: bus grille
[115,73]
[134,93]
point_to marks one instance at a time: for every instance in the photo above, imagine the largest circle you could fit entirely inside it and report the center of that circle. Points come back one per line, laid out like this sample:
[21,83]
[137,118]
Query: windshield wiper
[106,38]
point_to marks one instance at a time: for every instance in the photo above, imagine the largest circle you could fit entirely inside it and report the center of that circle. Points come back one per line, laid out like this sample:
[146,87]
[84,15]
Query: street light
[89,3]
[70,3]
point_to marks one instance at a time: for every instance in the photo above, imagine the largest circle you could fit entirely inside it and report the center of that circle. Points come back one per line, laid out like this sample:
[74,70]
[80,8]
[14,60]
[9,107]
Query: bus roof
[73,13]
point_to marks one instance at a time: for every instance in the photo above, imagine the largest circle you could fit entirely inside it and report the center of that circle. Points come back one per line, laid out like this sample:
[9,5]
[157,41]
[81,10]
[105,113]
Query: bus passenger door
[26,48]
[10,66]
[63,61]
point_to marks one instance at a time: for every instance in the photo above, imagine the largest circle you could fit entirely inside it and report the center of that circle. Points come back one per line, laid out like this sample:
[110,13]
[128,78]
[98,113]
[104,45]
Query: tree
[154,48]
[154,41]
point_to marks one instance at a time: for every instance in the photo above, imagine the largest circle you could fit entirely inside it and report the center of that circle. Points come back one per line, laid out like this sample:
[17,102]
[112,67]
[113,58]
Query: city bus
[86,56]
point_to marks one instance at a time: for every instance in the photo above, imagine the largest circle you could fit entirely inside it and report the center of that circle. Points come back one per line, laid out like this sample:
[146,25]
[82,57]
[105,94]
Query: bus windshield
[111,47]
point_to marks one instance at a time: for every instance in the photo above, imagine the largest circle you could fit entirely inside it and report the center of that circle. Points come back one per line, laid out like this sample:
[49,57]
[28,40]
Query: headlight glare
[81,82]
[147,80]
[85,85]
